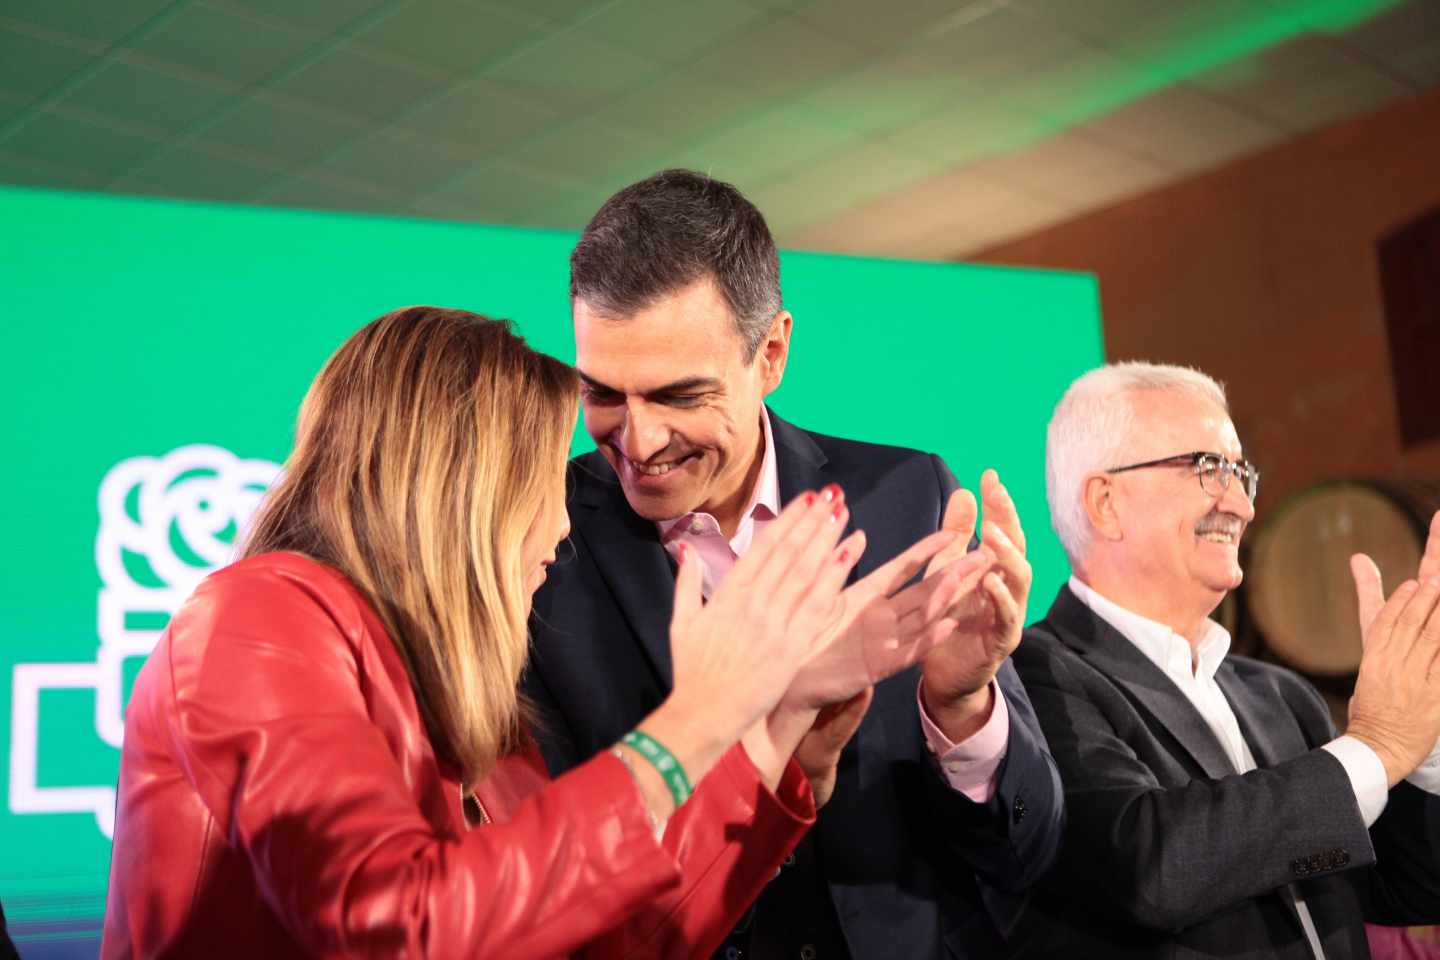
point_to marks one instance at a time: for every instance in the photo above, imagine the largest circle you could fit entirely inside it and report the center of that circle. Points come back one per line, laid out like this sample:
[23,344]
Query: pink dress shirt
[970,766]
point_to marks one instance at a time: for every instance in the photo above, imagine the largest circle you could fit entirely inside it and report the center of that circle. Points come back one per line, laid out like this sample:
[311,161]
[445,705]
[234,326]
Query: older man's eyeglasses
[1213,469]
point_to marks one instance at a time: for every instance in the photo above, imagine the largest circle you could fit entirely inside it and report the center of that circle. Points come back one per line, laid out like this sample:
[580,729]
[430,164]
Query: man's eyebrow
[674,386]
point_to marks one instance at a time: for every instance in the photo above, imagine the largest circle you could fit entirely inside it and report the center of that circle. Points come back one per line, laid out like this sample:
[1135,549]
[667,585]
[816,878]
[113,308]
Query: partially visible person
[326,754]
[1212,809]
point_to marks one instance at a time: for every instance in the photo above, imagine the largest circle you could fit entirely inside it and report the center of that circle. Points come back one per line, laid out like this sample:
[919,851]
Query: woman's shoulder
[279,587]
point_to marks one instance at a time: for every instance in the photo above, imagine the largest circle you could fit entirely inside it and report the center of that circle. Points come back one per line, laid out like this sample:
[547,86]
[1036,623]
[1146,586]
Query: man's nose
[643,433]
[1236,501]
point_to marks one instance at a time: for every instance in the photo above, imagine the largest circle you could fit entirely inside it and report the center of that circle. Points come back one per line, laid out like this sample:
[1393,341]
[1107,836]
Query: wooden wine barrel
[1299,590]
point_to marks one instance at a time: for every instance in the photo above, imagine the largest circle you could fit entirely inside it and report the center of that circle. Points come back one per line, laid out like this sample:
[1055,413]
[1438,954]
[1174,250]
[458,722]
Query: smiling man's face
[1181,541]
[672,403]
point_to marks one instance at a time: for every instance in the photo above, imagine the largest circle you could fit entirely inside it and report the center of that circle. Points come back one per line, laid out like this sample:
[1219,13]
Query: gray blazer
[1168,852]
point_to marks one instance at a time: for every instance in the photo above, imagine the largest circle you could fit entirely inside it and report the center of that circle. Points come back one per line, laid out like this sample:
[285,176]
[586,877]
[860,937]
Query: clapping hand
[1396,706]
[878,629]
[989,616]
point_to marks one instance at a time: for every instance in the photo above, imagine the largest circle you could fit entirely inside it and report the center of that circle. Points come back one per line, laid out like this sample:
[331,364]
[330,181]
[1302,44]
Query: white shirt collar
[1161,646]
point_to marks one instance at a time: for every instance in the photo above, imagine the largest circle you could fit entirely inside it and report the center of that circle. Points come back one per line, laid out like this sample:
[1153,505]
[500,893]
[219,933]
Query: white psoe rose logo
[165,523]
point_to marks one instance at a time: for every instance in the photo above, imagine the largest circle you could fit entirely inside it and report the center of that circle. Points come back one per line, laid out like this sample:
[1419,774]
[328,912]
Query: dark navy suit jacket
[913,868]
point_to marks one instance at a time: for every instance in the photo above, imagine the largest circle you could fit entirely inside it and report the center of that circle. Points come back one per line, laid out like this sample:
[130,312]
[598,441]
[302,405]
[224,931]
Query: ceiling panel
[767,144]
[880,26]
[362,83]
[996,44]
[684,106]
[588,149]
[319,18]
[102,23]
[494,193]
[453,38]
[1182,130]
[225,42]
[1405,40]
[405,164]
[885,95]
[1074,172]
[1303,83]
[202,172]
[974,127]
[316,192]
[672,33]
[78,144]
[483,114]
[876,128]
[571,71]
[940,214]
[782,57]
[285,130]
[823,188]
[49,173]
[159,101]
[32,62]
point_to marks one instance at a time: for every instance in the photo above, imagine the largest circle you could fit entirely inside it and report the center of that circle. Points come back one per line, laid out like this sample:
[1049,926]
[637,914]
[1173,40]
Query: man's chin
[654,507]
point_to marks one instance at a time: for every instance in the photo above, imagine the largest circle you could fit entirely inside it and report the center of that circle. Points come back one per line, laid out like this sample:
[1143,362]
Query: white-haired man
[1212,810]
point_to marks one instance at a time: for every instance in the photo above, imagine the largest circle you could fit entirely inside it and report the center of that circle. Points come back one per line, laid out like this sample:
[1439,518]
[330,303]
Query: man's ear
[1098,495]
[774,351]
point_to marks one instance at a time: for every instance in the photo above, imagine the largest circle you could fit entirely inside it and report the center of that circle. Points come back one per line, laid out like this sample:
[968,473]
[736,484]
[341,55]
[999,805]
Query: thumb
[838,722]
[1369,590]
[688,587]
[960,513]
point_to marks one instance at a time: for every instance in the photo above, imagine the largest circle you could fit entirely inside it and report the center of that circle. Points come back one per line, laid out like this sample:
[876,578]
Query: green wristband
[664,763]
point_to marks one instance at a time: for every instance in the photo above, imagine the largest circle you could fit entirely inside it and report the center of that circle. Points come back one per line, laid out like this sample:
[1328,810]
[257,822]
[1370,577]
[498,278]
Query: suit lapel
[627,551]
[1112,654]
[1269,730]
[798,461]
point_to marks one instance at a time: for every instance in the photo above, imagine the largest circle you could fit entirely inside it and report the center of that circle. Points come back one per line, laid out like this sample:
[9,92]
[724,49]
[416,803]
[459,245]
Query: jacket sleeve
[730,839]
[270,725]
[1014,838]
[1163,857]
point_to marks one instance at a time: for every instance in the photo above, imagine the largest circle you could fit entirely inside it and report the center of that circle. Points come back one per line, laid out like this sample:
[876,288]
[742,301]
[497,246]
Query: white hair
[1090,431]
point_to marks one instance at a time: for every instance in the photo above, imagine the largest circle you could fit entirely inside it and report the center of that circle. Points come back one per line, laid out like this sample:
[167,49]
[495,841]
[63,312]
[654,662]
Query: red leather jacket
[279,797]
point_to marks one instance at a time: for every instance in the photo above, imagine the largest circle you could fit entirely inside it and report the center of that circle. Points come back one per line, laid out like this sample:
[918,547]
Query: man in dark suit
[1212,810]
[941,816]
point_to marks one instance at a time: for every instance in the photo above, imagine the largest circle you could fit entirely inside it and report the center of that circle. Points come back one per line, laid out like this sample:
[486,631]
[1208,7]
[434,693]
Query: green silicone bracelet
[664,763]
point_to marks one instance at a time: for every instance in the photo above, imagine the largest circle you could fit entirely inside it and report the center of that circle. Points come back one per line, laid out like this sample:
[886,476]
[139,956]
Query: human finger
[820,606]
[1411,618]
[688,588]
[920,603]
[1369,589]
[890,576]
[1000,507]
[788,581]
[1010,558]
[1430,560]
[1007,609]
[747,568]
[961,511]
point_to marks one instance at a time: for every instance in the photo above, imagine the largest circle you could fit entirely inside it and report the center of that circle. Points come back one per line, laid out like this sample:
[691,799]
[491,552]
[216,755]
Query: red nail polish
[684,548]
[809,499]
[844,555]
[832,491]
[839,509]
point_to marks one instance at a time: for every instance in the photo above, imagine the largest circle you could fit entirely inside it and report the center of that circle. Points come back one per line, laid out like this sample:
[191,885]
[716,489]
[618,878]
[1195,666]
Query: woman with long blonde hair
[326,753]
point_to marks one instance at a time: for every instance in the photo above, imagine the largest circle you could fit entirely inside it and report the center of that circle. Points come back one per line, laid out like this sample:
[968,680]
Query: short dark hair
[670,230]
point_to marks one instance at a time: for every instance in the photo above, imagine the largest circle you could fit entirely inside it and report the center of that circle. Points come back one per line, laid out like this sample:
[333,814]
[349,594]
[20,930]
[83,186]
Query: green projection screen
[155,355]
